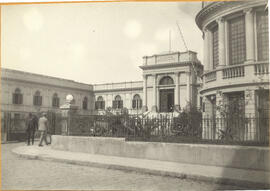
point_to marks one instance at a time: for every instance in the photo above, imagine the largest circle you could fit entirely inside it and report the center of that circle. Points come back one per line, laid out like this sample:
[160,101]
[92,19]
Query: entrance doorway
[166,101]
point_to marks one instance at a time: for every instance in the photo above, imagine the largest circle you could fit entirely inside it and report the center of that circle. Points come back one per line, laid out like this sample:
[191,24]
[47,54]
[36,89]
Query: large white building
[236,62]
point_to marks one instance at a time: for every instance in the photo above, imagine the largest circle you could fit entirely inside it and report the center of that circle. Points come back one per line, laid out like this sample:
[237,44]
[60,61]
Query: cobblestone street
[20,173]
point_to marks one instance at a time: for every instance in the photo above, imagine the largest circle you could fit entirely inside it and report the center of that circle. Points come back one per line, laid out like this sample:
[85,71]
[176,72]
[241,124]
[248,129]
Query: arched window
[117,103]
[17,97]
[167,80]
[136,102]
[85,103]
[37,99]
[55,100]
[100,103]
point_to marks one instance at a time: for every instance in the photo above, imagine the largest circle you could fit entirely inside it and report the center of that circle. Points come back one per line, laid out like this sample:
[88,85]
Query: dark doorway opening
[166,101]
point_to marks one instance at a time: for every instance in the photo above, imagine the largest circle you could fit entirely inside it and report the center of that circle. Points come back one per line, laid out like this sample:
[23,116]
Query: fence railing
[184,129]
[187,128]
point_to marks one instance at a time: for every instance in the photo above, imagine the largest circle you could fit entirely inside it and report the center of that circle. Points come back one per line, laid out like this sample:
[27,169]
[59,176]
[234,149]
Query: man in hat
[43,127]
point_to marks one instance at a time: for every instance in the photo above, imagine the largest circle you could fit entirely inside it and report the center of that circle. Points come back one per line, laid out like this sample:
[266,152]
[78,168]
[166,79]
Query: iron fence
[186,128]
[182,129]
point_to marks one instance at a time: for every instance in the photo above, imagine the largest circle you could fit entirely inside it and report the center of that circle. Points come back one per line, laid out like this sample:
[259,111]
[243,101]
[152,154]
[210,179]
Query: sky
[95,42]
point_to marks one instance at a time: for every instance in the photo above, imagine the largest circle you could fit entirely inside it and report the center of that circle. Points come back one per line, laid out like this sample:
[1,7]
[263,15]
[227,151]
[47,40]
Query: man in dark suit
[32,124]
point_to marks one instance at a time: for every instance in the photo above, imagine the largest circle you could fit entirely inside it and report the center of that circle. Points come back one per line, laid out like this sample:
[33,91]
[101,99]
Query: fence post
[67,111]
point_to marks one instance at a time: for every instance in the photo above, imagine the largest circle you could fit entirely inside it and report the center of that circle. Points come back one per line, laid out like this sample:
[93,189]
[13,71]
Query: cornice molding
[222,8]
[118,90]
[205,90]
[44,84]
[170,65]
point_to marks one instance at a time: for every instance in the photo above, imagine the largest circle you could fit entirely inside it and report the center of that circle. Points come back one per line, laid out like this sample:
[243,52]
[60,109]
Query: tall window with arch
[237,40]
[100,103]
[37,99]
[117,102]
[85,103]
[17,97]
[167,80]
[55,100]
[136,102]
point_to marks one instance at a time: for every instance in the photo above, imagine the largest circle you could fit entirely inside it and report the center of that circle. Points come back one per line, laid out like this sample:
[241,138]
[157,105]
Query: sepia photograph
[135,95]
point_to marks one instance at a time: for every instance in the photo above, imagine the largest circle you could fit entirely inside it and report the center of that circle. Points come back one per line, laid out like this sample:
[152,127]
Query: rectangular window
[55,102]
[17,98]
[37,100]
[237,40]
[262,35]
[100,105]
[215,47]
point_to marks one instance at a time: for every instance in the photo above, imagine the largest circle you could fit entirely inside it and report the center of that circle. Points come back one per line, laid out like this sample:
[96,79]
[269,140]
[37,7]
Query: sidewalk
[247,178]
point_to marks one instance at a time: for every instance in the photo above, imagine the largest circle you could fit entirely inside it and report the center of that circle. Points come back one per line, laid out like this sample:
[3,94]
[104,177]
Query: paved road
[21,174]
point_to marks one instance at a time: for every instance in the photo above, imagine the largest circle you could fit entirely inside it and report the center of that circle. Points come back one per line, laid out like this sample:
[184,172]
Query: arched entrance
[166,94]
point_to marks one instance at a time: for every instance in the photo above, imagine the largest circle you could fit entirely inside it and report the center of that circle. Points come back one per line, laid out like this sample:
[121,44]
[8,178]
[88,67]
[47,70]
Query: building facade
[236,62]
[28,92]
[170,82]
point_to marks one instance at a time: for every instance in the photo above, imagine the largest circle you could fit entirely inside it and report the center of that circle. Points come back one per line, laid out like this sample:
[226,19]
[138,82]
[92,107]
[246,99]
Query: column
[250,40]
[188,90]
[206,50]
[144,108]
[221,42]
[176,93]
[154,107]
[210,50]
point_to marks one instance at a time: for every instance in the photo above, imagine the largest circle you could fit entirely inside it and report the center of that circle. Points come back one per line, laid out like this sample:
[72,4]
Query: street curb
[232,182]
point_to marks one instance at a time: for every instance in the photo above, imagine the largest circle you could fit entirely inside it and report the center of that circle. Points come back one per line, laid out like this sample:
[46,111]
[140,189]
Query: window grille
[136,102]
[237,41]
[85,103]
[17,97]
[37,101]
[262,35]
[100,103]
[117,103]
[55,100]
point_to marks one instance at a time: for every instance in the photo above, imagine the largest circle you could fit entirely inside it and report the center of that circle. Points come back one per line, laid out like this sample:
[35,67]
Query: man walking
[42,127]
[30,128]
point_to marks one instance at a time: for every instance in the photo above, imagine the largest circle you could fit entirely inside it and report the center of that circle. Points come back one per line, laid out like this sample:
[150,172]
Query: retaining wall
[245,157]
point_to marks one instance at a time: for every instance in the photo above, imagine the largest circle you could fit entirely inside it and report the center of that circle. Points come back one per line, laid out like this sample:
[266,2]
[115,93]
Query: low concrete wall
[244,157]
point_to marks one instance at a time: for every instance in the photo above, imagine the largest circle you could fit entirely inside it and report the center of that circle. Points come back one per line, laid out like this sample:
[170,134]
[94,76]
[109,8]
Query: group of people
[33,124]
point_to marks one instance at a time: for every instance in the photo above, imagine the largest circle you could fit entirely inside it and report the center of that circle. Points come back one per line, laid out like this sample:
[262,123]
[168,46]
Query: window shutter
[114,104]
[13,98]
[20,99]
[96,105]
[34,100]
[102,104]
[133,104]
[140,104]
[40,100]
[121,104]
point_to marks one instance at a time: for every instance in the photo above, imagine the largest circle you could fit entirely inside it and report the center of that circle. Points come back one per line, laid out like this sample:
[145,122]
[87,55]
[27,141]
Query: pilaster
[250,36]
[221,42]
